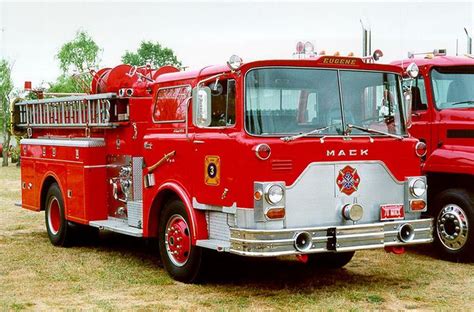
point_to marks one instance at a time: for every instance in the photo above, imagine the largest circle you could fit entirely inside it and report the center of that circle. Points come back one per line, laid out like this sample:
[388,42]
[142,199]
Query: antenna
[366,40]
[457,46]
[469,42]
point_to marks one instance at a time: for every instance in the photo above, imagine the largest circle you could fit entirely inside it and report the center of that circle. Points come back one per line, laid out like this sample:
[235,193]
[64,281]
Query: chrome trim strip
[99,142]
[226,209]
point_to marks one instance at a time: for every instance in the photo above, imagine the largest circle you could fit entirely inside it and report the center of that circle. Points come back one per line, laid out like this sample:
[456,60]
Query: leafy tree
[76,58]
[153,53]
[6,87]
[80,54]
[69,84]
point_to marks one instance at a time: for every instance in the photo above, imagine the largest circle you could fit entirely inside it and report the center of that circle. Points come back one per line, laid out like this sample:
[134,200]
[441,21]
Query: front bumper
[270,243]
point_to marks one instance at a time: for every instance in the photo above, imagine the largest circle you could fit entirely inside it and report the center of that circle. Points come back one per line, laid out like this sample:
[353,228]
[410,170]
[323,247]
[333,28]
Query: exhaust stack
[469,42]
[366,40]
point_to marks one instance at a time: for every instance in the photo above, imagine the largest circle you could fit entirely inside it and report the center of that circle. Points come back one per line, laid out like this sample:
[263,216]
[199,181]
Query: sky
[206,33]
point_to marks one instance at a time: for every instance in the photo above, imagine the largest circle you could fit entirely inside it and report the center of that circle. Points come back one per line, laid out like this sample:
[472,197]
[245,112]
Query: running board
[117,225]
[215,244]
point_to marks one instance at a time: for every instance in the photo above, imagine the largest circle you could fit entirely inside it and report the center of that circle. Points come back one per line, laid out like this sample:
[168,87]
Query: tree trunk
[6,148]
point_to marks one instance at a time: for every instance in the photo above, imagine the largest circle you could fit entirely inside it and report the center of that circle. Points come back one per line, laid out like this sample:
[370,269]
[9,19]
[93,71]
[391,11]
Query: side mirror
[407,107]
[202,113]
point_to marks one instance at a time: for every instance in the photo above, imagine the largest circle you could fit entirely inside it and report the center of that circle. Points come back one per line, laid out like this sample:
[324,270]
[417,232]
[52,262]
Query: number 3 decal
[212,170]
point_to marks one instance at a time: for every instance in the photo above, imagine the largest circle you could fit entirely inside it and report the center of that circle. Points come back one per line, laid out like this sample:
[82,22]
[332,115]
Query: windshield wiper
[297,136]
[463,102]
[368,130]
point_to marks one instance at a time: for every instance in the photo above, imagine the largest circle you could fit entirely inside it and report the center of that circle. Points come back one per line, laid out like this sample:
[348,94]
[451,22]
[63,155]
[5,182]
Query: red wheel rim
[177,240]
[54,216]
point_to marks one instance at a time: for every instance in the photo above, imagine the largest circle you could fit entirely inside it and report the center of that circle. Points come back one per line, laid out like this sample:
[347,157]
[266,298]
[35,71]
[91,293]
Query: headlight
[413,70]
[234,62]
[274,194]
[418,187]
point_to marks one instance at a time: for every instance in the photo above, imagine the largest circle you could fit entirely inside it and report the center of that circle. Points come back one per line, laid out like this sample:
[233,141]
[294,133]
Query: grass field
[123,273]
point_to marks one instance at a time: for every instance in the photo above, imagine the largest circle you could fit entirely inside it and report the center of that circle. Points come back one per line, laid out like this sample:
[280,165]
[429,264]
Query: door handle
[198,142]
[148,145]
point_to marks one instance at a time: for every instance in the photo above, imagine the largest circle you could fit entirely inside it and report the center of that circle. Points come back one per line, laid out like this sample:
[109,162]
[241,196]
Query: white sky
[205,33]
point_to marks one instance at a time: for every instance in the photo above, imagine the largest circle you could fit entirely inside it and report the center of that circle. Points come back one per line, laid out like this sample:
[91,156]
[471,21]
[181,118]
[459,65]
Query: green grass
[123,273]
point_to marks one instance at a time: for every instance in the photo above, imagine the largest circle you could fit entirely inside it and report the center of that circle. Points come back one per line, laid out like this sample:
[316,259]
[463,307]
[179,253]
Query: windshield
[289,101]
[453,87]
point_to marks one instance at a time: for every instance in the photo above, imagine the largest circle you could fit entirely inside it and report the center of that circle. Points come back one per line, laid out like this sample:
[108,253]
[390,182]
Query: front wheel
[331,260]
[180,258]
[59,231]
[454,213]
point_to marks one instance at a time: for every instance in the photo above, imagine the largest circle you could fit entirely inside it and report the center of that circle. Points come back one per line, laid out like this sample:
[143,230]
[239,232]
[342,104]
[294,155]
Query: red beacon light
[27,86]
[377,54]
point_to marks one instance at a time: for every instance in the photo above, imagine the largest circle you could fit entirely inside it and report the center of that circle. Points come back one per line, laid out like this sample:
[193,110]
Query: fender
[198,223]
[51,174]
[452,159]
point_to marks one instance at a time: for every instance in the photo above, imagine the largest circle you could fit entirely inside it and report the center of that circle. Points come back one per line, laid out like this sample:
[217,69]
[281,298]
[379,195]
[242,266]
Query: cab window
[171,104]
[418,91]
[223,103]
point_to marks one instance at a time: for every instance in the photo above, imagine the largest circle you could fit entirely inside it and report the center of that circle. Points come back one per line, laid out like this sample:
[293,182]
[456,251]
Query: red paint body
[447,154]
[184,175]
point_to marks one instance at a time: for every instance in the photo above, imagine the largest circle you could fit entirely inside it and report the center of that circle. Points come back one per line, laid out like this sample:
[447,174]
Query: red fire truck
[306,157]
[443,118]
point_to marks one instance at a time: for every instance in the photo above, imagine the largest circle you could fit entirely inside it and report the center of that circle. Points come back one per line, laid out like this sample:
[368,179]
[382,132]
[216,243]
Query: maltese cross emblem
[348,180]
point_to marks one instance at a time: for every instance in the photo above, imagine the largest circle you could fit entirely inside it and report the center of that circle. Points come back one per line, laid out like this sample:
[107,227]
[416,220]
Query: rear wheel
[331,260]
[454,213]
[180,258]
[56,224]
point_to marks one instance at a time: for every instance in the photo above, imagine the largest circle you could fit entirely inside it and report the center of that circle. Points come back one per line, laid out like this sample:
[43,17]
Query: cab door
[421,116]
[167,146]
[215,150]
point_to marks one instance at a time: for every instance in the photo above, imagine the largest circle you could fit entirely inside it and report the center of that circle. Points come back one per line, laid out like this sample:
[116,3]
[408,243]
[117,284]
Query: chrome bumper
[270,243]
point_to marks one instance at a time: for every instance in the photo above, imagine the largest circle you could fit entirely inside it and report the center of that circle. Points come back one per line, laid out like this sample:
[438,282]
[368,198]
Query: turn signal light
[263,151]
[257,195]
[420,149]
[275,213]
[417,204]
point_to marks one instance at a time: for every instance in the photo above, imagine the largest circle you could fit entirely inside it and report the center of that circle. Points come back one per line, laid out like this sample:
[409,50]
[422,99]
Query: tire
[454,224]
[181,259]
[59,231]
[331,260]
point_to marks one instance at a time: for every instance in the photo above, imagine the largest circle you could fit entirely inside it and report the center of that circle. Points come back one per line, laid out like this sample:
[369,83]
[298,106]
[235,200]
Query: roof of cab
[358,64]
[437,61]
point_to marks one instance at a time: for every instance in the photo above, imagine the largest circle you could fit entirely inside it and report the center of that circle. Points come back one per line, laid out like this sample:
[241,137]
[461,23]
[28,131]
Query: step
[117,225]
[215,244]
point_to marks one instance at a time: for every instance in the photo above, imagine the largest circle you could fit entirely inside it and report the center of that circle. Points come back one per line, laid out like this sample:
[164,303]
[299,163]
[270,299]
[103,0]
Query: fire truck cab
[443,118]
[305,157]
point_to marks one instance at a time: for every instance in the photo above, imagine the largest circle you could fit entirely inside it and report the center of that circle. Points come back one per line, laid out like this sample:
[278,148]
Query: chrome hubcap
[177,240]
[452,226]
[54,217]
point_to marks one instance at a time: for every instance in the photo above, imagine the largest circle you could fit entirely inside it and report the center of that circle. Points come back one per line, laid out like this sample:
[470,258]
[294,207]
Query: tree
[80,54]
[69,84]
[6,87]
[152,53]
[76,58]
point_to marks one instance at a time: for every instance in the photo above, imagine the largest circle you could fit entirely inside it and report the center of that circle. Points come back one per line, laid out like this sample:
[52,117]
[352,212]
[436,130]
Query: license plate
[392,212]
